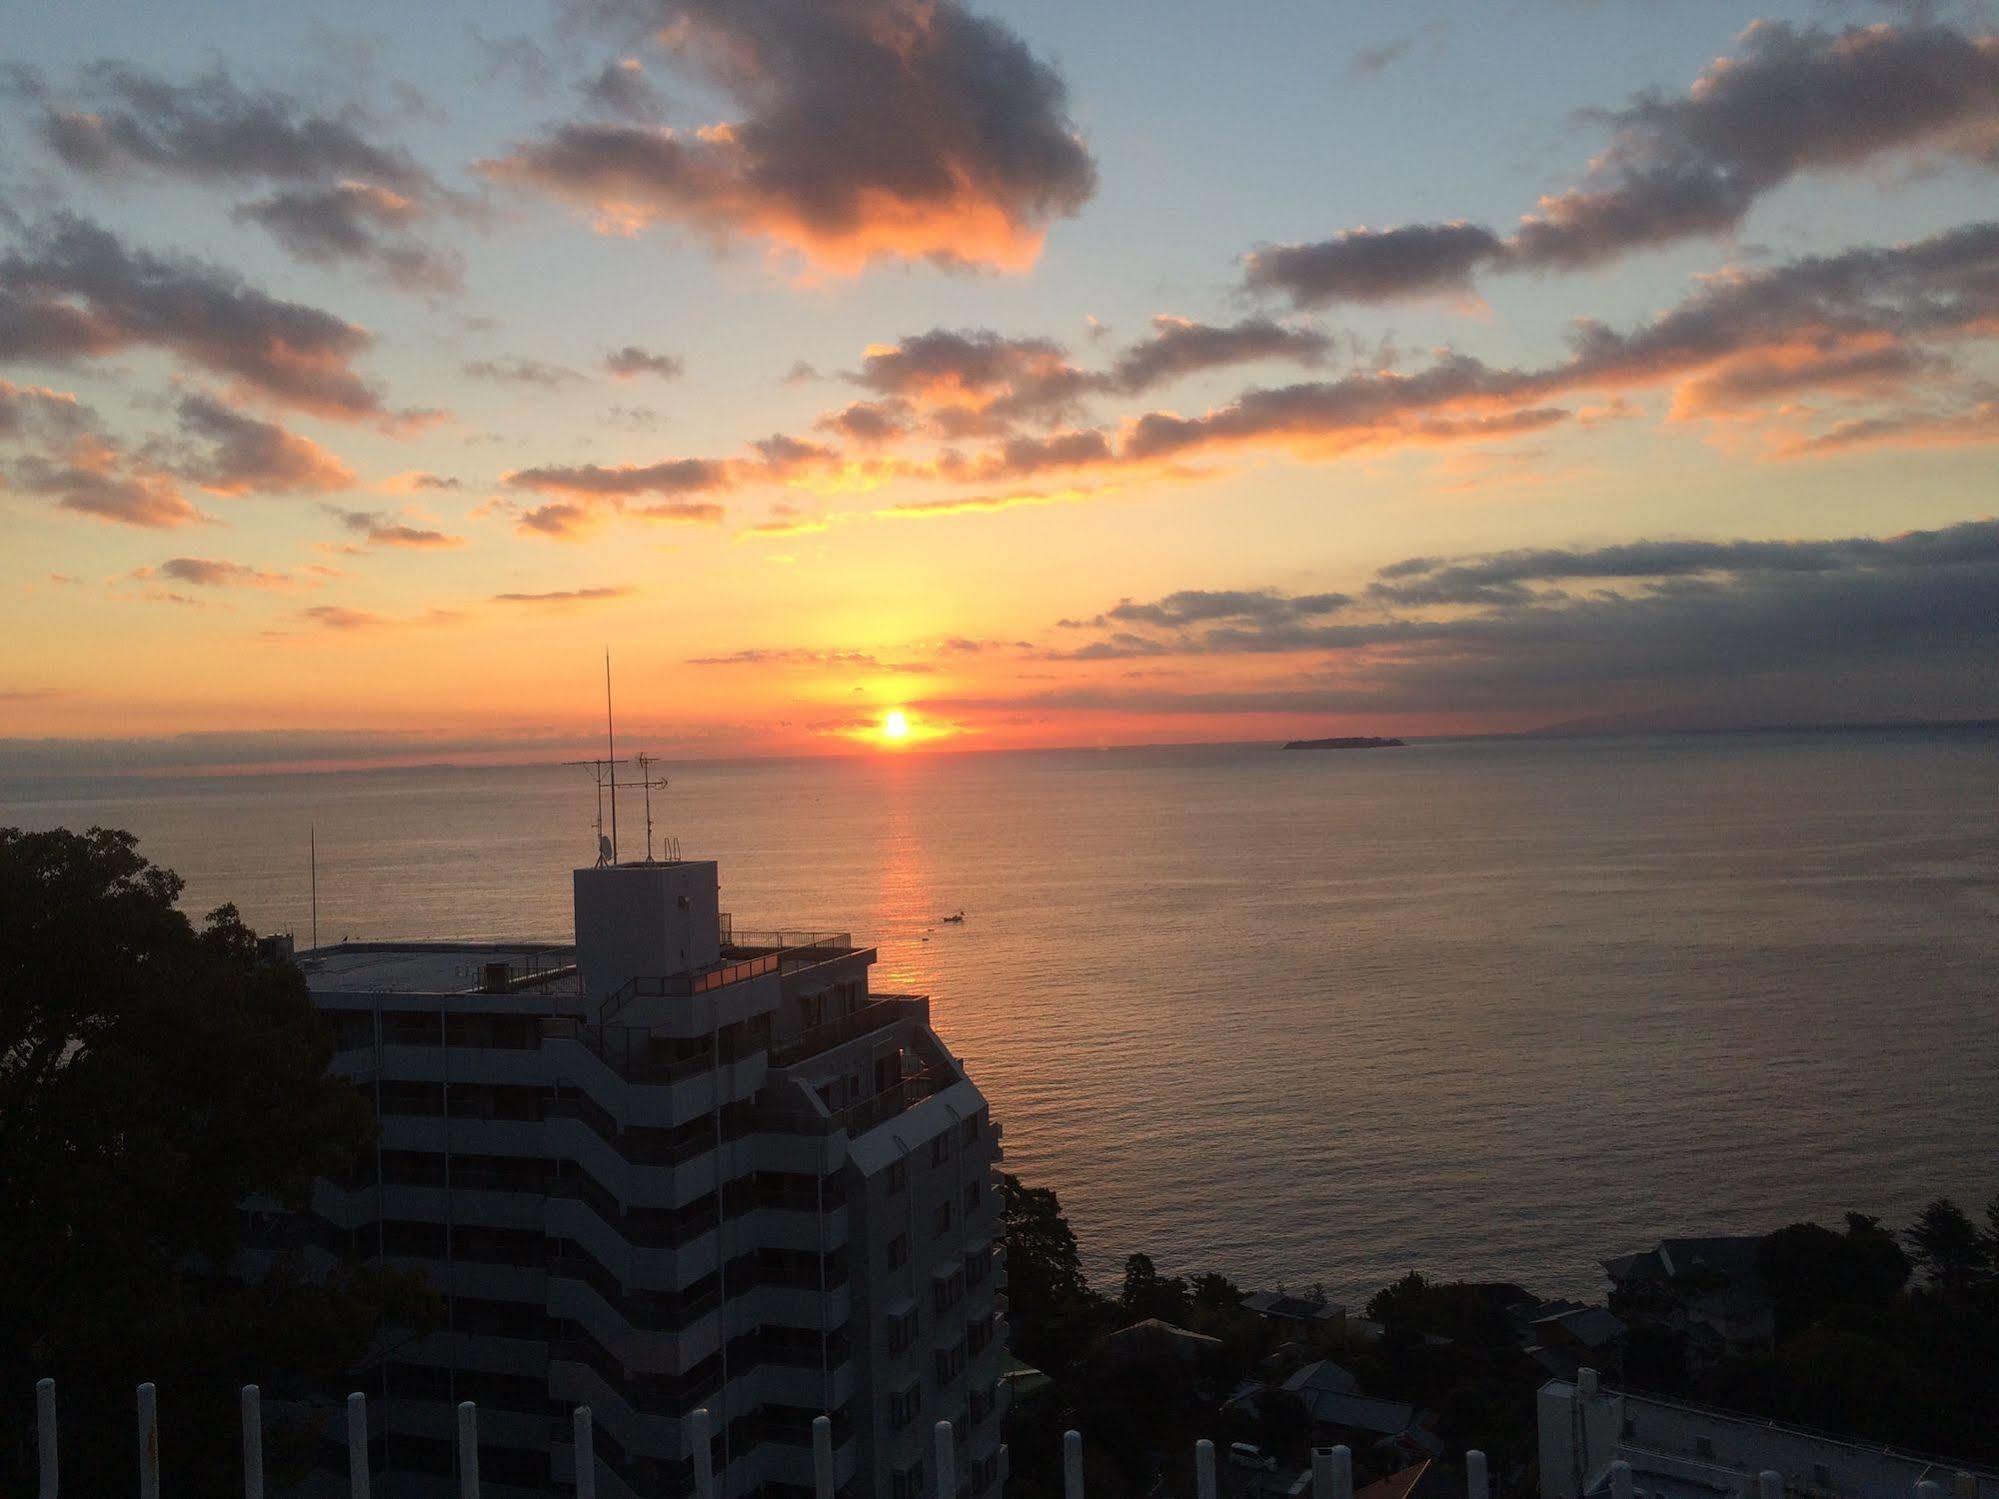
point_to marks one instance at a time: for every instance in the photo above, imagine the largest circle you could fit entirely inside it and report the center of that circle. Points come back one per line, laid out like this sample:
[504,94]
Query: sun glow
[895,726]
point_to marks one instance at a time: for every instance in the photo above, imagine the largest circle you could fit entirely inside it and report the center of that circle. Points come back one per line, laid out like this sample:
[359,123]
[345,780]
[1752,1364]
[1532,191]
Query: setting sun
[895,724]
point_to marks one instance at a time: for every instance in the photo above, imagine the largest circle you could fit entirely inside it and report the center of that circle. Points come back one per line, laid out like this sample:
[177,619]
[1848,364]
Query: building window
[902,1331]
[949,1291]
[907,1483]
[950,1363]
[943,1219]
[904,1406]
[898,1251]
[898,1176]
[978,1266]
[971,1198]
[940,1150]
[971,1129]
[1704,1446]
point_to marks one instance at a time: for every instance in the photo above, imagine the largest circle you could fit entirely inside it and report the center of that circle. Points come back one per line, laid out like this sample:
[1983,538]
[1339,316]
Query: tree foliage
[155,1075]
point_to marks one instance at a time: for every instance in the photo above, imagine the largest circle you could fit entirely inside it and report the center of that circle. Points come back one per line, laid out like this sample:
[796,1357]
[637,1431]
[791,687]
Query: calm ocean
[1489,1009]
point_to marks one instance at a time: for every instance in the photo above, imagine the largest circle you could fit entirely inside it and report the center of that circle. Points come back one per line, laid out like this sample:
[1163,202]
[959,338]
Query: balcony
[877,1015]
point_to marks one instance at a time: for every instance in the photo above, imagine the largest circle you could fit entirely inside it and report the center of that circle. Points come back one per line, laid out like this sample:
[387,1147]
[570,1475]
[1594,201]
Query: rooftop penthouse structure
[672,1167]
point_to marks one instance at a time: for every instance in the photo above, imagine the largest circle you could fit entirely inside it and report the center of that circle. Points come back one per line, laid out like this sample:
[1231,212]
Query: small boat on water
[959,918]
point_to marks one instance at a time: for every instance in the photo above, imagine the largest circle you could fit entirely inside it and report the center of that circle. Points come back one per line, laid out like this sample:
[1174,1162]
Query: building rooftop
[438,967]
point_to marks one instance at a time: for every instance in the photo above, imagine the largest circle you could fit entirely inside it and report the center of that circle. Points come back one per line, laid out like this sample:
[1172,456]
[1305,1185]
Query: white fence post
[947,1461]
[1620,1480]
[1927,1489]
[1204,1469]
[1339,1472]
[1477,1486]
[586,1455]
[703,1453]
[1072,1465]
[468,1450]
[822,1456]
[45,1436]
[253,1443]
[149,1442]
[357,1446]
[1770,1483]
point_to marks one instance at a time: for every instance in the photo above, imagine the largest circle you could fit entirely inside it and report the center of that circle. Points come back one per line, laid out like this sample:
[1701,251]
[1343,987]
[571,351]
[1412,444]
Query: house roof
[1591,1326]
[1324,1377]
[1291,1308]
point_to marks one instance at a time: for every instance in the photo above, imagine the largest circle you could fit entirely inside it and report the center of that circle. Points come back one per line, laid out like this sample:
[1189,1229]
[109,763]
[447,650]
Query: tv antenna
[670,847]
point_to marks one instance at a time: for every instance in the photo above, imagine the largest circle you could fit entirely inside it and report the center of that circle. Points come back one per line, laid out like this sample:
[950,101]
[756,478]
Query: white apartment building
[673,1166]
[1669,1449]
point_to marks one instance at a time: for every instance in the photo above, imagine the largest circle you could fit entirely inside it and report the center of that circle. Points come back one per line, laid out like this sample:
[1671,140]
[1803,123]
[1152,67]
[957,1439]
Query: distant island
[1361,743]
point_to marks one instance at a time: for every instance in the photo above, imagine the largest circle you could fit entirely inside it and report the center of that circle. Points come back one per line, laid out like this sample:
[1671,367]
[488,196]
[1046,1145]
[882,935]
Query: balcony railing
[882,1012]
[1331,1470]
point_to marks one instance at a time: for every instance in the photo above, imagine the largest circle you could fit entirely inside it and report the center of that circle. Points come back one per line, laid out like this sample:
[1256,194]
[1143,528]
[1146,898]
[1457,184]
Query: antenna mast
[312,855]
[645,764]
[611,737]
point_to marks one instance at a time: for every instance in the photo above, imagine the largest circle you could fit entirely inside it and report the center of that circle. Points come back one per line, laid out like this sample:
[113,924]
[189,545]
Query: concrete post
[1620,1480]
[1332,1473]
[1072,1466]
[822,1457]
[468,1450]
[703,1453]
[357,1446]
[1770,1484]
[586,1454]
[947,1461]
[149,1442]
[1929,1489]
[45,1436]
[1476,1484]
[1964,1486]
[253,1443]
[1204,1469]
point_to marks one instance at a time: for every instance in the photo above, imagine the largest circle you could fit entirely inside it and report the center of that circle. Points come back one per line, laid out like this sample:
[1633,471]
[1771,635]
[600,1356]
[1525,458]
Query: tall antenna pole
[611,736]
[312,846]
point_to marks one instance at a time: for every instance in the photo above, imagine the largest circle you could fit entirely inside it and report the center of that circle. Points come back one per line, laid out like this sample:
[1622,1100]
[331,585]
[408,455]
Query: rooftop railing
[786,952]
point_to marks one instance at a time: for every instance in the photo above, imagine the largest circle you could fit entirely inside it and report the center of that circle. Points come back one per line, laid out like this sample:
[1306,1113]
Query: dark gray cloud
[632,360]
[382,528]
[868,423]
[246,455]
[975,382]
[1375,265]
[1846,627]
[95,478]
[1818,321]
[121,118]
[36,411]
[1792,99]
[358,221]
[869,127]
[342,195]
[621,90]
[517,370]
[209,572]
[1180,347]
[72,290]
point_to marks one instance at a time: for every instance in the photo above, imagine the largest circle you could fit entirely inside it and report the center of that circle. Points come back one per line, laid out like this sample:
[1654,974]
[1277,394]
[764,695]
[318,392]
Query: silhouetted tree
[1147,1293]
[152,1077]
[1215,1293]
[1947,1244]
[1053,1311]
[1809,1270]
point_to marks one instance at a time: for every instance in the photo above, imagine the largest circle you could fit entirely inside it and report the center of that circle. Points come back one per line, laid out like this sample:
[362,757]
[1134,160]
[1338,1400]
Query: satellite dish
[603,849]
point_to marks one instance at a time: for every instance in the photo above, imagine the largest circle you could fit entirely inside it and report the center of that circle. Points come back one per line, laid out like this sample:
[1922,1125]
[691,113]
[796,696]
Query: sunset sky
[1051,374]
